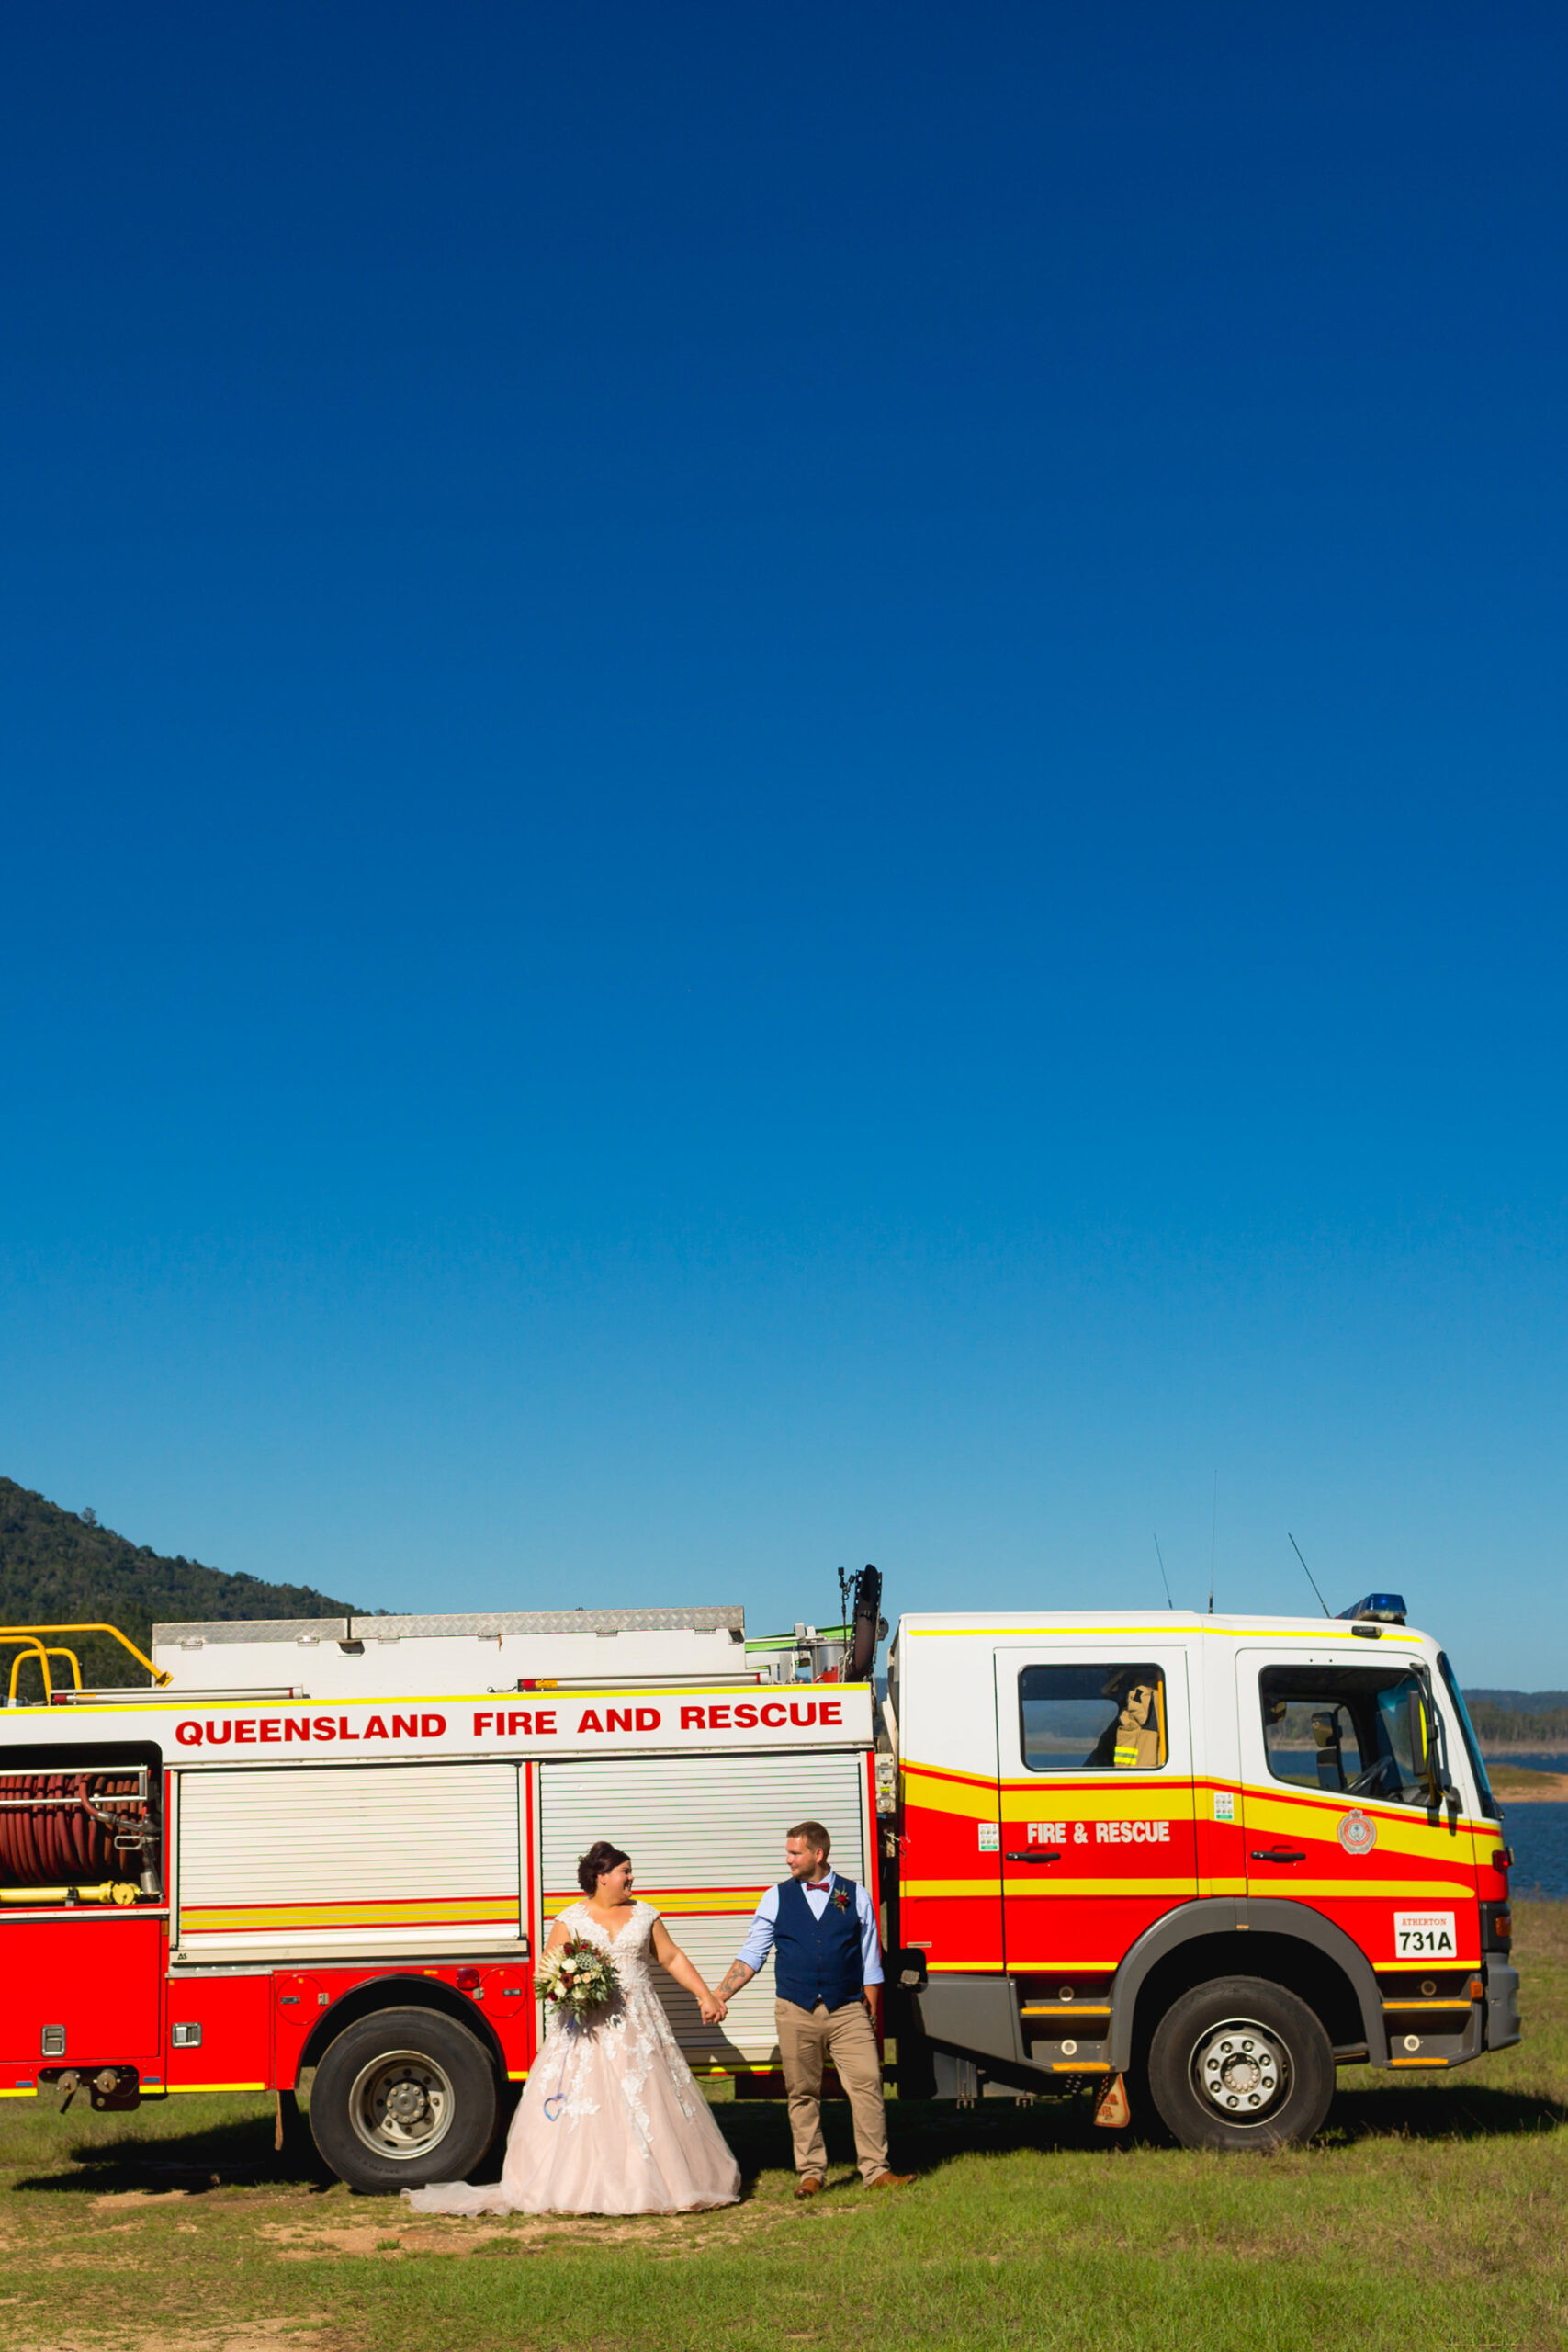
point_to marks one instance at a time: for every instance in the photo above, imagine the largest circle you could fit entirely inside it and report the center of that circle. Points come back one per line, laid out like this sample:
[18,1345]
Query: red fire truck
[1214,1858]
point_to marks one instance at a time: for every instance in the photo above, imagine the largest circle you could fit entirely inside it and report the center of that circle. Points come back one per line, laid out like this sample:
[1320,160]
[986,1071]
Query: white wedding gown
[610,2120]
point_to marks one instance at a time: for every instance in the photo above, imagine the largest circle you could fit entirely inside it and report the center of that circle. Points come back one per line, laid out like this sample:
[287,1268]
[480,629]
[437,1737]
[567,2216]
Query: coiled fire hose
[62,1826]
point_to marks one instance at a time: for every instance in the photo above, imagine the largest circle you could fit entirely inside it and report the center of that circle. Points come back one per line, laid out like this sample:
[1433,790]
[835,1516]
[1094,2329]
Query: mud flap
[1112,2113]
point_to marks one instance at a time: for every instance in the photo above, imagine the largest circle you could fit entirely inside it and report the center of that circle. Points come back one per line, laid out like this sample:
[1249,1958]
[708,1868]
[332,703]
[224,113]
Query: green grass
[1429,2215]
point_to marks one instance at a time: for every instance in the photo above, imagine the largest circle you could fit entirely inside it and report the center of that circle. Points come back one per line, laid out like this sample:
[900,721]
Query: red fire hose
[52,1830]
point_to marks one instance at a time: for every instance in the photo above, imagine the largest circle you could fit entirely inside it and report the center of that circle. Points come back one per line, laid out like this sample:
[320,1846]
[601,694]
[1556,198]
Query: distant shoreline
[1518,1784]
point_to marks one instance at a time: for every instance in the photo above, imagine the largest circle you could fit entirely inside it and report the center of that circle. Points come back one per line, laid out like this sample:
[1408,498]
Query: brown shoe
[891,2180]
[809,2185]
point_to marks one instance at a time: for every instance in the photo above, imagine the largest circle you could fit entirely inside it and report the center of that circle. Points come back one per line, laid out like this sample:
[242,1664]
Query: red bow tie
[817,1885]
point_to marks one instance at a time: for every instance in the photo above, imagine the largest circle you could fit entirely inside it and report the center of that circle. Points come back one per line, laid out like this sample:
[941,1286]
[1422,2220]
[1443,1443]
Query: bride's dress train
[610,2120]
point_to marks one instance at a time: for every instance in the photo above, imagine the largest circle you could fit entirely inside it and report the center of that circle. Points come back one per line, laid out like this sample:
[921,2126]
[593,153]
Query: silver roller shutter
[706,1834]
[385,1858]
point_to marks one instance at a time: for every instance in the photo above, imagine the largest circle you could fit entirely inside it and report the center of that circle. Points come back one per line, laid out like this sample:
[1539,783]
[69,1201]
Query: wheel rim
[1241,2070]
[402,2104]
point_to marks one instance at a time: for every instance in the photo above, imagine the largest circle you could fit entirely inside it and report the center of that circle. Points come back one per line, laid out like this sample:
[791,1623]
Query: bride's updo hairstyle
[600,1859]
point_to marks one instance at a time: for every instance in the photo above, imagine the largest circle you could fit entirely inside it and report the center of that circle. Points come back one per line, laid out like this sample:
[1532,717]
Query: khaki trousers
[844,2040]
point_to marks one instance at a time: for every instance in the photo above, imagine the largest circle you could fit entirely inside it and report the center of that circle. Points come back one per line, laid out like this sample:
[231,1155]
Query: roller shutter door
[385,1858]
[706,1834]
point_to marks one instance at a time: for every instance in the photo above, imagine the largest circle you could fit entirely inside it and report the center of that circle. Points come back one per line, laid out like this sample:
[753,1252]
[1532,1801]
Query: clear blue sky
[786,785]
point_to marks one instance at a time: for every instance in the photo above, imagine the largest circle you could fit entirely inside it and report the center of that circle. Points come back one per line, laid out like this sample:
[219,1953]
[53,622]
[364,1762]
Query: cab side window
[1354,1731]
[1107,1718]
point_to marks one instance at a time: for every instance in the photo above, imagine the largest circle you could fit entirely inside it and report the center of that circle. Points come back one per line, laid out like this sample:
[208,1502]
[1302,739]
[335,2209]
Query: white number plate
[1424,1935]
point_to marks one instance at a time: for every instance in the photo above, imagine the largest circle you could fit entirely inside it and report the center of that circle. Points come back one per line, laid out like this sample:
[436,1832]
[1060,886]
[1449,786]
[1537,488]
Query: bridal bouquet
[576,1977]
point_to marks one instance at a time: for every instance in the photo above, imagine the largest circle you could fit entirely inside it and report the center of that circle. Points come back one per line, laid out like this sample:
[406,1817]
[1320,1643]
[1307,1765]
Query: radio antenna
[1214,1538]
[1160,1555]
[1310,1577]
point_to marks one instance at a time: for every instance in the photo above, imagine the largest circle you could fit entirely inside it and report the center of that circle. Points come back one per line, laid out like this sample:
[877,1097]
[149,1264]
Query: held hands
[713,2010]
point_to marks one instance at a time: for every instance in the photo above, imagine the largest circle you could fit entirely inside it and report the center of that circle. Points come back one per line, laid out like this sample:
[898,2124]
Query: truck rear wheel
[403,2097]
[1240,2063]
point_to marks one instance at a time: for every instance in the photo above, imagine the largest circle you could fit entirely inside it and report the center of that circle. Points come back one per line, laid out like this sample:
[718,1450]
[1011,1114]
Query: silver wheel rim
[402,2104]
[1241,2070]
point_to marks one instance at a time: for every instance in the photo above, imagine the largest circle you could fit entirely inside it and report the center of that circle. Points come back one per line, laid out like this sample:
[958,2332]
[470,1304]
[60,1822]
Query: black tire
[403,2097]
[1240,2063]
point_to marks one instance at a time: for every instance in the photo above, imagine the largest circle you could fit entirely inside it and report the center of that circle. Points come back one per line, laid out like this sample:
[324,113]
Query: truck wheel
[1240,2063]
[403,2097]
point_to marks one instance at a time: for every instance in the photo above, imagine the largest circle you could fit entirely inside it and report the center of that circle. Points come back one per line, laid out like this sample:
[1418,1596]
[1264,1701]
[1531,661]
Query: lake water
[1539,1834]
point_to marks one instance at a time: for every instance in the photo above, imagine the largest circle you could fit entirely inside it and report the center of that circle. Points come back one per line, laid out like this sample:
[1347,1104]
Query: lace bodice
[628,1947]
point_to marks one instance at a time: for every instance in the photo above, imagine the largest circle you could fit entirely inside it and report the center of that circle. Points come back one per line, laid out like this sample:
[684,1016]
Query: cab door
[1097,1818]
[1341,1809]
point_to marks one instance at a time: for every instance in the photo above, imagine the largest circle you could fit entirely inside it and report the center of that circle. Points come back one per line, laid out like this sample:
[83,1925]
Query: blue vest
[818,1960]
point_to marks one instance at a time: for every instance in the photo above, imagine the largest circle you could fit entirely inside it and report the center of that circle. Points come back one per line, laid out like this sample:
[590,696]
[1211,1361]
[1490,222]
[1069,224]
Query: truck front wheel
[403,2097]
[1240,2063]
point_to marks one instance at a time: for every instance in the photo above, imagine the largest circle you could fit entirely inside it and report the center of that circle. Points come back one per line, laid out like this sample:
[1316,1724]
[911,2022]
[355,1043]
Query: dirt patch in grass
[254,2335]
[305,2240]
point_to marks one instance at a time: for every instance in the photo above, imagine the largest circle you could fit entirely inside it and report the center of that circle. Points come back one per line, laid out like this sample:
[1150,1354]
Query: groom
[828,1973]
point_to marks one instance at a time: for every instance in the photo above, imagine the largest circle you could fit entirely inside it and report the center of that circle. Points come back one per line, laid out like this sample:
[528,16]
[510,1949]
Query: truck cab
[1214,1858]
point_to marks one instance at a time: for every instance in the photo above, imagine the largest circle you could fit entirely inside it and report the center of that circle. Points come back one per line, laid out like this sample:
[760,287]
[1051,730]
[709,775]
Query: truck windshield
[1471,1745]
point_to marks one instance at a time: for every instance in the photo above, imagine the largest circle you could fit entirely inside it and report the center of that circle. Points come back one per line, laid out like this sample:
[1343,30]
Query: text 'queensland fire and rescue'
[513,1723]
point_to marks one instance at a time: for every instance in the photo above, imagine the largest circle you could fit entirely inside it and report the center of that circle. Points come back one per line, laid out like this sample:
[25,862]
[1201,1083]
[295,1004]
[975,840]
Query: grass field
[1429,2214]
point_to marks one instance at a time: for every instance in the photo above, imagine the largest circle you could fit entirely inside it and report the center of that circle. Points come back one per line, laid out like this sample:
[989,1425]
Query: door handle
[1277,1854]
[1036,1854]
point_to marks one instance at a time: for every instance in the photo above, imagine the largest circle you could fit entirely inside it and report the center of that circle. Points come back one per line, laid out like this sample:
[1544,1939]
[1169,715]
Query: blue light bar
[1380,1608]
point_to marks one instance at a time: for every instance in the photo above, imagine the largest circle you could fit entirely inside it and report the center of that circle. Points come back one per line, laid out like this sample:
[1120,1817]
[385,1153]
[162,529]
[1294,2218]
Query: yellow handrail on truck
[33,1646]
[43,1652]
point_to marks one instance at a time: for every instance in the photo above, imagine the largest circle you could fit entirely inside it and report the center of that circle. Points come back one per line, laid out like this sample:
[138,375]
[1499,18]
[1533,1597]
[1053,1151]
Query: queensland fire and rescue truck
[1201,1859]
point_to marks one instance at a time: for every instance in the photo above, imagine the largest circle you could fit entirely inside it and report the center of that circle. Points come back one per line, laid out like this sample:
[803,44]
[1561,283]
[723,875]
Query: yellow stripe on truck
[471,1911]
[214,2087]
[950,1889]
[725,1901]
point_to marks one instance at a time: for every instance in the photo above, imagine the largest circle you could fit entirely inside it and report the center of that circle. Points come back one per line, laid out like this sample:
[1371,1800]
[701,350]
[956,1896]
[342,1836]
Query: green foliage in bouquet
[576,1978]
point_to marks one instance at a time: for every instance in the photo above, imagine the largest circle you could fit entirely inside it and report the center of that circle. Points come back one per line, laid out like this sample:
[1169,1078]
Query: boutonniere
[840,1898]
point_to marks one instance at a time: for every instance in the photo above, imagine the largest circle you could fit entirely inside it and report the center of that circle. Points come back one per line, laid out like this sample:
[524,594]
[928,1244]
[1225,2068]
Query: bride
[610,2120]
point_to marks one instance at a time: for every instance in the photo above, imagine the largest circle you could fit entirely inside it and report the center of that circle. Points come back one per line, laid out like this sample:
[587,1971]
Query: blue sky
[787,786]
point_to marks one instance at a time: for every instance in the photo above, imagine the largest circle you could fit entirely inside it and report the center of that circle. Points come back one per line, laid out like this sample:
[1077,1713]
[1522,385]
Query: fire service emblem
[1358,1835]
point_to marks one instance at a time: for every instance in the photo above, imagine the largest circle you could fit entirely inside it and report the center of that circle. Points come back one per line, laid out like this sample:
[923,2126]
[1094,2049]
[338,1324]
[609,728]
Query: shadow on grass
[241,2153]
[925,2136]
[1451,2110]
[223,2155]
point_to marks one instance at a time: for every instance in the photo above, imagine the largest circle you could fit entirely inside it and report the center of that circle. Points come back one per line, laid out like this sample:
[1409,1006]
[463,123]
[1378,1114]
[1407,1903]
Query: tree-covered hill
[60,1568]
[1519,1718]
